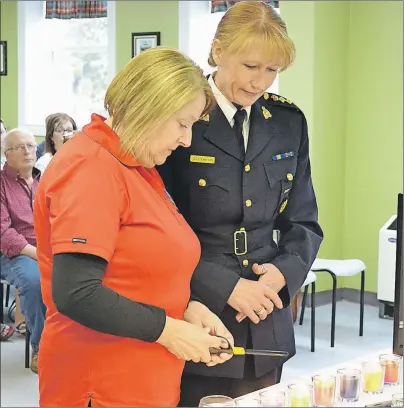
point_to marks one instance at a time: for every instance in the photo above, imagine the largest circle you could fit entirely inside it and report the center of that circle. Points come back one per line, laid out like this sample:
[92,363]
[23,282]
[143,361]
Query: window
[195,18]
[64,65]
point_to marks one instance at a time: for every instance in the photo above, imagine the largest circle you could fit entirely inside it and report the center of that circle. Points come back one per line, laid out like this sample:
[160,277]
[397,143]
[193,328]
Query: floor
[19,386]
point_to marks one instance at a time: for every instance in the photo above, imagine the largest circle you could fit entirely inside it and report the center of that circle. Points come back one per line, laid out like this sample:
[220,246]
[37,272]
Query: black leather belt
[239,243]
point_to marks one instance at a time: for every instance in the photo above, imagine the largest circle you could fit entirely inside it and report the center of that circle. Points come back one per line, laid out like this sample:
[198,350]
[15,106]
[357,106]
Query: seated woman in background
[59,128]
[115,255]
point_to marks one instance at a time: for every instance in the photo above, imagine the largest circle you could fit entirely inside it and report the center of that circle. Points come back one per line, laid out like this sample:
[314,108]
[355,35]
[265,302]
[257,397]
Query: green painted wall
[144,16]
[348,80]
[316,82]
[374,133]
[8,83]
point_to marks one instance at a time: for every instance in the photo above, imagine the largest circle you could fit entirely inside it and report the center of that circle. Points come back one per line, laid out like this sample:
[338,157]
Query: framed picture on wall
[144,41]
[3,57]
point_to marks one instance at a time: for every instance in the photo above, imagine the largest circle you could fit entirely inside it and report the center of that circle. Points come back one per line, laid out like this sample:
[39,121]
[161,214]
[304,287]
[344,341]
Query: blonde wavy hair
[151,88]
[250,24]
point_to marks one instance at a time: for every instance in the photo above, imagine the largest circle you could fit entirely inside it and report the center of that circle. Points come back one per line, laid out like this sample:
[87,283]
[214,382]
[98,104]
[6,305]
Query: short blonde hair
[249,23]
[151,88]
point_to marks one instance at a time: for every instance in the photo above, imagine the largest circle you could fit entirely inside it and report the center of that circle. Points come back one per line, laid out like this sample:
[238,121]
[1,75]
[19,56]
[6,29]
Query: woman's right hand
[188,341]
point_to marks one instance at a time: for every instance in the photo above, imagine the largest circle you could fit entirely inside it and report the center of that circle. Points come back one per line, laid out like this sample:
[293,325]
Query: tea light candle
[217,401]
[248,402]
[299,395]
[373,377]
[349,384]
[323,390]
[272,398]
[397,400]
[392,368]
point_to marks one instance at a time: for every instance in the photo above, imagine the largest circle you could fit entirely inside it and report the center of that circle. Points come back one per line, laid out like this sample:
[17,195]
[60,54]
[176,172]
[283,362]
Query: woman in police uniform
[246,175]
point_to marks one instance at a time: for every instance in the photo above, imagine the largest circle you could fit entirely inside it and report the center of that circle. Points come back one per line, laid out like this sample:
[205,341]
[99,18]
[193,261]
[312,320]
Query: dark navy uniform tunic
[234,204]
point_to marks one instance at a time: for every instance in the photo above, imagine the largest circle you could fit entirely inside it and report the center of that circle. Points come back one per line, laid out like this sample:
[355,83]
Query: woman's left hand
[197,313]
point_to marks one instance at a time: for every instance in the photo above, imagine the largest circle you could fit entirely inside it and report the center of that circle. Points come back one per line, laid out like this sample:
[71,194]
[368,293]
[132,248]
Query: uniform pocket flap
[280,170]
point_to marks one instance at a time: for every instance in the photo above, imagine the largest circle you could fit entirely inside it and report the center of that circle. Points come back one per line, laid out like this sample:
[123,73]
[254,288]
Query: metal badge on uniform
[202,159]
[277,98]
[283,206]
[282,156]
[205,118]
[267,114]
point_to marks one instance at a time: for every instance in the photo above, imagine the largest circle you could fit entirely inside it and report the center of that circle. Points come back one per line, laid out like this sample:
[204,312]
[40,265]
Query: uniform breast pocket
[208,195]
[280,175]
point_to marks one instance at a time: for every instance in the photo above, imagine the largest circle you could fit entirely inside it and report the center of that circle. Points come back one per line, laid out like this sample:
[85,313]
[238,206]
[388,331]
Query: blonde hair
[151,88]
[250,22]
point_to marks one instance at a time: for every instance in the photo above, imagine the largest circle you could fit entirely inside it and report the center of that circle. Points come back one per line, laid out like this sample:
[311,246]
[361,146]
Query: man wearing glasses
[19,181]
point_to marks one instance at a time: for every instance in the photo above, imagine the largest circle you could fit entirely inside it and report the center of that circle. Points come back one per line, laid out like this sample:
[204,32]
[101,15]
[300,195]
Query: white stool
[346,267]
[310,279]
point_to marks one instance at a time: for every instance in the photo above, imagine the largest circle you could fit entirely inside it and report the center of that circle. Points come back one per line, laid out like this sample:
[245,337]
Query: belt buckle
[240,234]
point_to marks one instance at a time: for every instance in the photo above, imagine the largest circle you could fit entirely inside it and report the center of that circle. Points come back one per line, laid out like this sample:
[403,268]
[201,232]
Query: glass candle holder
[397,400]
[299,395]
[217,401]
[323,390]
[373,377]
[249,401]
[392,368]
[272,398]
[349,381]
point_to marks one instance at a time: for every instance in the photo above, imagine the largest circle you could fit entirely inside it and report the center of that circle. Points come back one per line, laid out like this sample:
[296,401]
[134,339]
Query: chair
[10,310]
[346,267]
[27,348]
[310,279]
[7,284]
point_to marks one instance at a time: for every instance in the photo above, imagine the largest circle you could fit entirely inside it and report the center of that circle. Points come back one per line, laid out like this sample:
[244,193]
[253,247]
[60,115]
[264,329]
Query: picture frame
[144,41]
[3,58]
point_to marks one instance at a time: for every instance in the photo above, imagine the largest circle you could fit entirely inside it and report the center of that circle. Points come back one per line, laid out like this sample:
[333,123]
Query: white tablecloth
[364,399]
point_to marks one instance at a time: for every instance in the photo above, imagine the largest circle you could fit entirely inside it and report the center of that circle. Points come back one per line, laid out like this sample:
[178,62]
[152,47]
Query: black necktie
[239,118]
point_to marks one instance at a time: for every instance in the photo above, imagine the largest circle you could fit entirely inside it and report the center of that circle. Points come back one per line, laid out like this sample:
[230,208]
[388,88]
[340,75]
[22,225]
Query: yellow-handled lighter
[240,351]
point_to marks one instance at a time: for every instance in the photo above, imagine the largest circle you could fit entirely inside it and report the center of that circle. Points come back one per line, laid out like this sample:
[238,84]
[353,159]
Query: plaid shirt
[17,218]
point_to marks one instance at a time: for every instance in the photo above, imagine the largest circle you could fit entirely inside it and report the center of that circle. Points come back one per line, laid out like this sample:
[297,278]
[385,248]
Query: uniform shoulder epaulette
[277,100]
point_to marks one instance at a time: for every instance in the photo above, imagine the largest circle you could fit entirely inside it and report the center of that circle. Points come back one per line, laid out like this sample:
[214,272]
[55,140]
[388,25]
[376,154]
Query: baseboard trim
[350,295]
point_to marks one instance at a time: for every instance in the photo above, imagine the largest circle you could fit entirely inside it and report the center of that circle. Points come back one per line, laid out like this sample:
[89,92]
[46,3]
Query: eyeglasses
[61,131]
[22,147]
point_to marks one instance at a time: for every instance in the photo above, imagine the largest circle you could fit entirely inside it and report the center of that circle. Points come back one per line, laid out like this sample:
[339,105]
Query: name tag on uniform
[202,159]
[283,156]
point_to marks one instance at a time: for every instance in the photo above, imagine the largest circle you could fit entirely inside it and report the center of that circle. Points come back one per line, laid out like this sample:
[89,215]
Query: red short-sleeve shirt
[95,199]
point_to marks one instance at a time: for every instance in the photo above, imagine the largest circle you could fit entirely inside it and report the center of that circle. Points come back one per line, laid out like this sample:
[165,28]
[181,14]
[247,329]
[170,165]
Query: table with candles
[370,380]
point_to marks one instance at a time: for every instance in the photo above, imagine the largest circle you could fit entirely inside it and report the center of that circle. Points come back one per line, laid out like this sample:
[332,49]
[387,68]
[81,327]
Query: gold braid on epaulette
[277,100]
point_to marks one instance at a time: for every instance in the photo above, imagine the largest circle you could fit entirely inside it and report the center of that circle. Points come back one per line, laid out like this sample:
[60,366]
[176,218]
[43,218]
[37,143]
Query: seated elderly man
[19,181]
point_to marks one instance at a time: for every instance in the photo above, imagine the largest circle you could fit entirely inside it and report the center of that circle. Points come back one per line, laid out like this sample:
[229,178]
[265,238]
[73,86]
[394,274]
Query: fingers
[219,359]
[267,304]
[261,313]
[240,316]
[221,330]
[259,269]
[273,296]
[250,313]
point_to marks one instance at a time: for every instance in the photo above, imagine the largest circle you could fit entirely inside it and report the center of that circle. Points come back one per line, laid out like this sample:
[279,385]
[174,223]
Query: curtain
[220,5]
[67,10]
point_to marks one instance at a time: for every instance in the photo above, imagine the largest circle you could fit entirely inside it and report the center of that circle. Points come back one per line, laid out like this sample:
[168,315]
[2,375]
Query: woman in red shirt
[115,255]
